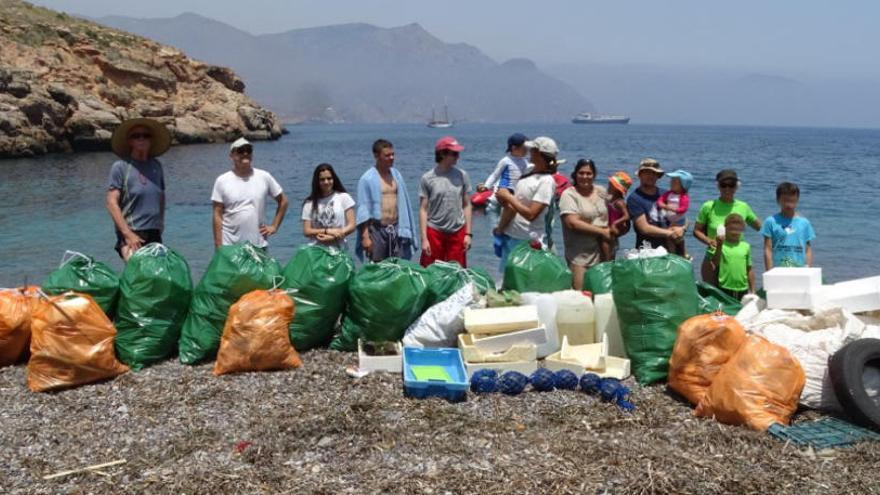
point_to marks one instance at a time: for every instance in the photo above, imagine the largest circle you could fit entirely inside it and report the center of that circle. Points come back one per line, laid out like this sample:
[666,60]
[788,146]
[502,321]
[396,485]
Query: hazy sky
[793,38]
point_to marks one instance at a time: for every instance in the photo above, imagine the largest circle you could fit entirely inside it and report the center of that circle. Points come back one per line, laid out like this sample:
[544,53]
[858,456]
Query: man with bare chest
[384,216]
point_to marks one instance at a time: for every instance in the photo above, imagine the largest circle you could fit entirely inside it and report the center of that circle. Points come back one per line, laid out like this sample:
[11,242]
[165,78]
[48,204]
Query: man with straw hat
[136,188]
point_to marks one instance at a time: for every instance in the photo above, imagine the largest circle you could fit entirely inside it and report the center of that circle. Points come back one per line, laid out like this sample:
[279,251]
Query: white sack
[440,325]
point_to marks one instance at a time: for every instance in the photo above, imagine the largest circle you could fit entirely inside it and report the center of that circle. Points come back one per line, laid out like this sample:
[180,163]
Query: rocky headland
[66,83]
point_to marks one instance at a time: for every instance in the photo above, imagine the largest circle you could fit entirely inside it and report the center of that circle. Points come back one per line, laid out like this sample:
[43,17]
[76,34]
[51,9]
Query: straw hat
[159,142]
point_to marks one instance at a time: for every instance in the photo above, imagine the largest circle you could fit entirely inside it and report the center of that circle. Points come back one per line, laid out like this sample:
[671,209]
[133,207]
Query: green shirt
[733,272]
[713,213]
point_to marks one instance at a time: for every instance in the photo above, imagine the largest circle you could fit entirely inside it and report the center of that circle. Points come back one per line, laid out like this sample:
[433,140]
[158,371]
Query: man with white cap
[239,198]
[444,208]
[642,206]
[525,210]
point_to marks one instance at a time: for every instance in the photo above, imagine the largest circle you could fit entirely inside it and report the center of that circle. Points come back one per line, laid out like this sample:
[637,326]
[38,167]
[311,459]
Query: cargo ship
[596,118]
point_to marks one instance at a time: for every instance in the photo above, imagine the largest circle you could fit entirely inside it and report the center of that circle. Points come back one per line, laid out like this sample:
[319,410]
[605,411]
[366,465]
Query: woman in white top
[328,212]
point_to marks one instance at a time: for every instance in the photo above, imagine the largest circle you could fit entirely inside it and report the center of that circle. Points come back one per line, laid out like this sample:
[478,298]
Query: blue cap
[684,176]
[516,139]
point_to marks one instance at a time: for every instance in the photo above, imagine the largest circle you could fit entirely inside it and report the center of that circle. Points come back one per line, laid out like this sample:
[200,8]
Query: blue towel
[369,207]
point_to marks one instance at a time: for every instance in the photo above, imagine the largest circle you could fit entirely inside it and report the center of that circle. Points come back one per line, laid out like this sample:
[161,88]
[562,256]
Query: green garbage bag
[234,271]
[714,299]
[446,277]
[535,270]
[81,273]
[383,300]
[320,276]
[653,297]
[154,297]
[597,278]
[503,299]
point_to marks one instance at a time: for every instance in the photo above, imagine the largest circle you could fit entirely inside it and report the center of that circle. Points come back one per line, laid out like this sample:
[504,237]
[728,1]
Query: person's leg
[436,245]
[577,275]
[379,251]
[506,247]
[707,271]
[454,247]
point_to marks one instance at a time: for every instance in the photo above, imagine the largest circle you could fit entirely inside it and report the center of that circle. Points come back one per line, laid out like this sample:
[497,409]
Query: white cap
[238,143]
[544,145]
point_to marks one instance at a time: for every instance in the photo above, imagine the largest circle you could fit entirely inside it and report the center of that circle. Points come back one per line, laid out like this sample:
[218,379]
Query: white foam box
[792,300]
[611,367]
[500,320]
[607,324]
[502,341]
[856,296]
[587,355]
[792,279]
[474,354]
[391,364]
[524,367]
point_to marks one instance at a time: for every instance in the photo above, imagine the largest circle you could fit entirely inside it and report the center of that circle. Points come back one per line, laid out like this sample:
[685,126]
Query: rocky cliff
[66,83]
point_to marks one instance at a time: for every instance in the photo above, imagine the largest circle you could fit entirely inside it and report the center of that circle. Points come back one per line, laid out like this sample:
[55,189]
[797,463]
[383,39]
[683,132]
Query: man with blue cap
[674,205]
[506,174]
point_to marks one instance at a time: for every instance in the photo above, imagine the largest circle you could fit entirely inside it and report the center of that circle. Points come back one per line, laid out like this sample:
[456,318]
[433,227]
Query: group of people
[524,195]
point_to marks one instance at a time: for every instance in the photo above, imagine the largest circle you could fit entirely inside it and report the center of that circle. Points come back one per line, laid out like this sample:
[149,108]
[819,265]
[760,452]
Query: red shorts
[445,247]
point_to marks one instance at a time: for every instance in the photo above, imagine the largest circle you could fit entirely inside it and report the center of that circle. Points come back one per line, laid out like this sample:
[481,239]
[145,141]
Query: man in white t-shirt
[239,199]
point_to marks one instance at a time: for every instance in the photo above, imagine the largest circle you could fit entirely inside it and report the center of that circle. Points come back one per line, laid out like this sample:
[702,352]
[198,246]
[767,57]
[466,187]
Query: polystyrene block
[610,367]
[791,279]
[855,296]
[792,300]
[524,367]
[391,364]
[500,320]
[474,354]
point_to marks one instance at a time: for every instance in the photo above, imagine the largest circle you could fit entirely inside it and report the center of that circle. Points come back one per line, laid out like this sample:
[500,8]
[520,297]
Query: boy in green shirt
[734,259]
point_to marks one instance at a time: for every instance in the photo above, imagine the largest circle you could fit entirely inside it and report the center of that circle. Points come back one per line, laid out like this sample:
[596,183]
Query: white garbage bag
[440,325]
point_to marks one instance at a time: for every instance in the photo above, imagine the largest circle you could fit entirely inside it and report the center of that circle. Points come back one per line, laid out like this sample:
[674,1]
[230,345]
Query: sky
[790,38]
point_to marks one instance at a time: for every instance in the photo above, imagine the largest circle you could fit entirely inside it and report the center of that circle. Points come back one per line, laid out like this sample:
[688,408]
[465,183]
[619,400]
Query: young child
[787,235]
[673,205]
[734,259]
[618,215]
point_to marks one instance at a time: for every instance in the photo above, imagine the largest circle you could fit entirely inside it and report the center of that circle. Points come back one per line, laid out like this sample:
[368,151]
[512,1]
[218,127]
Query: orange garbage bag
[15,323]
[71,343]
[255,337]
[703,345]
[759,386]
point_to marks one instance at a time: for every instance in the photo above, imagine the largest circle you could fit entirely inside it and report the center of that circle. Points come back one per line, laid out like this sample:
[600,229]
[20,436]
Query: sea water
[55,203]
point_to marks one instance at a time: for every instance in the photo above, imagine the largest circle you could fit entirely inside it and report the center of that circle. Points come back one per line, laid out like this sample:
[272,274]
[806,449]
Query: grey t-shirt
[141,186]
[445,192]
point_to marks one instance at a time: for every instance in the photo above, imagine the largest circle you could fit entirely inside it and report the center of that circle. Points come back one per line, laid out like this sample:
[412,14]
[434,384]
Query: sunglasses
[727,185]
[244,150]
[139,135]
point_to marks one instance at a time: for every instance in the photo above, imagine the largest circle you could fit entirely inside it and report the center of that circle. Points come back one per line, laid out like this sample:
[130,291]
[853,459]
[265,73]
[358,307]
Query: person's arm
[423,224]
[218,223]
[620,204]
[768,253]
[530,212]
[756,223]
[507,215]
[716,256]
[468,215]
[574,222]
[648,230]
[684,202]
[132,240]
[493,177]
[267,230]
[700,234]
[809,253]
[751,279]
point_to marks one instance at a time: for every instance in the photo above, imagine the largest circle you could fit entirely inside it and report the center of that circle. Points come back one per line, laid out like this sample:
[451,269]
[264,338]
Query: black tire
[845,370]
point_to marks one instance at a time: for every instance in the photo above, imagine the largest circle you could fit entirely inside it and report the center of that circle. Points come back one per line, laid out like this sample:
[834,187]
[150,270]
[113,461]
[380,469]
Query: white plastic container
[608,326]
[502,341]
[524,367]
[792,279]
[575,317]
[587,355]
[392,363]
[546,305]
[516,352]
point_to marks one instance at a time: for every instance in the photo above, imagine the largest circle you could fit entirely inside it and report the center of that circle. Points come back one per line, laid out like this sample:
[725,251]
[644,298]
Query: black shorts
[150,235]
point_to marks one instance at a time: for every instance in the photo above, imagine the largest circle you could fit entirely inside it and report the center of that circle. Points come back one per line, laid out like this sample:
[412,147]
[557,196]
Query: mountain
[66,83]
[363,73]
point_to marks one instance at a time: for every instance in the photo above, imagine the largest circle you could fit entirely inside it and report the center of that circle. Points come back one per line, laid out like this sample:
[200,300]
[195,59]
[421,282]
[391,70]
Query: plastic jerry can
[575,317]
[608,325]
[546,304]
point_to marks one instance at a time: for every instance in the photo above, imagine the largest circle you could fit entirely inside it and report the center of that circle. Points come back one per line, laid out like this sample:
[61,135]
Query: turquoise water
[55,203]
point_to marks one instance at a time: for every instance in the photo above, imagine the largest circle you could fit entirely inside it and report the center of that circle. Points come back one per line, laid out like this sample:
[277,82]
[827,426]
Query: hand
[676,232]
[426,246]
[367,244]
[267,230]
[481,188]
[719,240]
[133,241]
[503,195]
[325,238]
[467,242]
[606,233]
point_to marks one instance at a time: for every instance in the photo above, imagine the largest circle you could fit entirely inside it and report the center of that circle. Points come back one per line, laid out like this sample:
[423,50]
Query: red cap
[448,143]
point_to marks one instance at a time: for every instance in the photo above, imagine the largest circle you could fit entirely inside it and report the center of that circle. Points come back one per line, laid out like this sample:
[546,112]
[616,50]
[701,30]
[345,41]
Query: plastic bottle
[575,317]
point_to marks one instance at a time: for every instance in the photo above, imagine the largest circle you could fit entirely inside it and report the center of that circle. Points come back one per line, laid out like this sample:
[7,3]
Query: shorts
[445,246]
[149,236]
[387,243]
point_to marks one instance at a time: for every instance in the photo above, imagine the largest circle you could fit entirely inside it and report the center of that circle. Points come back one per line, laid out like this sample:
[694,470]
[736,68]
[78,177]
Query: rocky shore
[66,83]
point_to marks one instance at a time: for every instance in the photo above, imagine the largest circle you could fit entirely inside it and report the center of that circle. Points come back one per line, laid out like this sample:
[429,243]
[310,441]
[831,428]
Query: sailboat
[440,124]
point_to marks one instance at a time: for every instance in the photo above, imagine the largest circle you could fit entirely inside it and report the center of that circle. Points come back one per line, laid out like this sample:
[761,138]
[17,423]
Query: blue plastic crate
[448,361]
